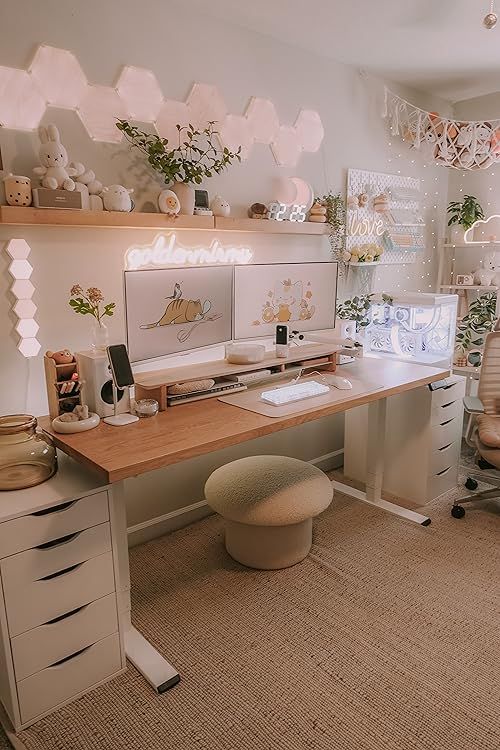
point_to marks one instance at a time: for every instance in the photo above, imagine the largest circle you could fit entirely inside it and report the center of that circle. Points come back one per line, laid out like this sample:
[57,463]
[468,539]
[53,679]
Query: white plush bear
[117,198]
[54,172]
[489,272]
[90,188]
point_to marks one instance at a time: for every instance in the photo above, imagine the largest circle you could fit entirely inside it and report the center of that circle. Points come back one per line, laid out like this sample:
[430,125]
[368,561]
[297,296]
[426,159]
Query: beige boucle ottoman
[268,503]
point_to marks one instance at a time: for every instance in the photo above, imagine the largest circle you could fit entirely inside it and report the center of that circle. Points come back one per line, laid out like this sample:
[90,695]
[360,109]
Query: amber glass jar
[27,457]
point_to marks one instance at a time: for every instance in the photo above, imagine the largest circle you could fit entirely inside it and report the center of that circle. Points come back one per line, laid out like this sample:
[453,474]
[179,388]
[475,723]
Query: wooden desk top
[193,429]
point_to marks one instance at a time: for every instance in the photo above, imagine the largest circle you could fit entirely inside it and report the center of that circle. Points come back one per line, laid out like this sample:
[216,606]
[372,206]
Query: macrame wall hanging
[453,143]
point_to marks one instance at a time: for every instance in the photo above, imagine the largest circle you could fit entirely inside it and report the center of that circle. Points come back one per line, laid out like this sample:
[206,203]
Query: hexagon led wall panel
[22,289]
[55,78]
[58,76]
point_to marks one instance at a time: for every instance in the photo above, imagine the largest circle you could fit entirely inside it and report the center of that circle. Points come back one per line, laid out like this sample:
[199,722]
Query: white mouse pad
[251,399]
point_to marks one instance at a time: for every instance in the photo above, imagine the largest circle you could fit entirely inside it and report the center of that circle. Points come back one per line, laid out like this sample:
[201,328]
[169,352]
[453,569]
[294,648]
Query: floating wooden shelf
[270,226]
[52,217]
[55,217]
[469,287]
[469,244]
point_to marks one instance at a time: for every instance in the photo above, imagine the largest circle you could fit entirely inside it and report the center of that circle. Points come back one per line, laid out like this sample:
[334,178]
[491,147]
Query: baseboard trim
[176,519]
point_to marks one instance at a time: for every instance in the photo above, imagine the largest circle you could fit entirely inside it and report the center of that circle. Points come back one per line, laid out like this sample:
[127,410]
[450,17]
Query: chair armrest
[473,405]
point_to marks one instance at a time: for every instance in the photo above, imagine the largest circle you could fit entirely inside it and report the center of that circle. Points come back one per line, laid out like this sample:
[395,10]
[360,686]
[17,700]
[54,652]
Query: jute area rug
[387,637]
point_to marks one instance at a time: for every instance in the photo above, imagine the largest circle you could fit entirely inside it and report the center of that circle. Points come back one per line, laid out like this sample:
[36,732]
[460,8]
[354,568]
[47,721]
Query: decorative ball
[490,20]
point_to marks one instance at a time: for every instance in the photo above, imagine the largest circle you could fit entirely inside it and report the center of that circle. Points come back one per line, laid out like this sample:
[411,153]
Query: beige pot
[185,194]
[17,190]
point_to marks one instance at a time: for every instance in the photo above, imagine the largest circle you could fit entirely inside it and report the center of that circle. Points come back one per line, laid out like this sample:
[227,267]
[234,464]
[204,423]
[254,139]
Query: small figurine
[258,211]
[117,198]
[489,271]
[54,172]
[317,213]
[168,203]
[220,207]
[63,357]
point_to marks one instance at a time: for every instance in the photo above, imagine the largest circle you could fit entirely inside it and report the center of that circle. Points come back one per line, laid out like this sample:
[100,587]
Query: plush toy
[489,271]
[54,172]
[81,411]
[168,203]
[117,198]
[220,207]
[258,211]
[63,357]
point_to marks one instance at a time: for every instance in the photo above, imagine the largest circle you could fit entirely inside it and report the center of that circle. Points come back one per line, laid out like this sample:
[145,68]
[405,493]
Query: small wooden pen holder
[60,402]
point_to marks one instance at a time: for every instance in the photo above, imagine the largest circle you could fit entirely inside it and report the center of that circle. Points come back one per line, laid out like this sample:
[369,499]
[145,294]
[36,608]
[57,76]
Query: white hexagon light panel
[140,92]
[55,78]
[22,289]
[58,76]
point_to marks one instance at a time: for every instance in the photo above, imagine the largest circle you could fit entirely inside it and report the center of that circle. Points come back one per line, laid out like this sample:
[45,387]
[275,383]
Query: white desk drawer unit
[59,623]
[423,442]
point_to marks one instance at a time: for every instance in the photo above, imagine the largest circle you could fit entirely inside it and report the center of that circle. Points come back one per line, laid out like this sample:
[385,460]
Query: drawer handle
[440,473]
[55,509]
[445,406]
[59,542]
[67,658]
[443,424]
[67,614]
[60,572]
[445,447]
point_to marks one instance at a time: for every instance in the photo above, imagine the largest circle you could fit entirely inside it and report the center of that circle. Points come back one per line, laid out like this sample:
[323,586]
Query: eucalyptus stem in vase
[92,303]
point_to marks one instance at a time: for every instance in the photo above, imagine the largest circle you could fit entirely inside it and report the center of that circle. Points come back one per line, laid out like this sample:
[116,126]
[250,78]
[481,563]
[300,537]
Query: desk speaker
[94,370]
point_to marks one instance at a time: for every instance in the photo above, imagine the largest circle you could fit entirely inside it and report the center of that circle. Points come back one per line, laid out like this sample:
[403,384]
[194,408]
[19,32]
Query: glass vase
[100,336]
[27,457]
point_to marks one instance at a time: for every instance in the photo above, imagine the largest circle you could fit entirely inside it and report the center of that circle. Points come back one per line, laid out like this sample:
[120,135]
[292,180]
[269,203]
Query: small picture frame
[464,279]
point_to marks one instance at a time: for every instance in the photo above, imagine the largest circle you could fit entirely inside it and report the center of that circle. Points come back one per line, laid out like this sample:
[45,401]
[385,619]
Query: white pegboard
[404,194]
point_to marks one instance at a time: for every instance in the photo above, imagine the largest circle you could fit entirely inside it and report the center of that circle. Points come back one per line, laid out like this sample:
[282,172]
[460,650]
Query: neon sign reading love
[165,251]
[365,227]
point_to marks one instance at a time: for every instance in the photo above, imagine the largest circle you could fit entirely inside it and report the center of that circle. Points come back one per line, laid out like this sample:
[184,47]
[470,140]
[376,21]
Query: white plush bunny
[54,172]
[117,198]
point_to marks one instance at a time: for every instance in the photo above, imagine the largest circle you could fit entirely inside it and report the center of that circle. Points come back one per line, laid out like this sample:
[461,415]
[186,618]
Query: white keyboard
[295,392]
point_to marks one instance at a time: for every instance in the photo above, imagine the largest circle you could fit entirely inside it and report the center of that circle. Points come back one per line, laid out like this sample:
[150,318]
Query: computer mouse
[342,383]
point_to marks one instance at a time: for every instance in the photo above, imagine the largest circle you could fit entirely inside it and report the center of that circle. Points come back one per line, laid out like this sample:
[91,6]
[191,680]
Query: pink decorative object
[99,110]
[141,93]
[206,104]
[58,76]
[21,104]
[286,147]
[171,114]
[263,120]
[309,130]
[235,132]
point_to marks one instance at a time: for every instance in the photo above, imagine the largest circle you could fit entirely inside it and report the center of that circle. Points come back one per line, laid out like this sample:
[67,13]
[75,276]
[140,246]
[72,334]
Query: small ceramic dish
[146,407]
[81,426]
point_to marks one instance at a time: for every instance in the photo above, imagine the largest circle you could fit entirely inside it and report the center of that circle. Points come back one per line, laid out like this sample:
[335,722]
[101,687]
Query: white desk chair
[483,427]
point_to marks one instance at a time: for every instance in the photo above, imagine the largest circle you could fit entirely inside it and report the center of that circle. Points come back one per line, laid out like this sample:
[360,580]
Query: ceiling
[438,46]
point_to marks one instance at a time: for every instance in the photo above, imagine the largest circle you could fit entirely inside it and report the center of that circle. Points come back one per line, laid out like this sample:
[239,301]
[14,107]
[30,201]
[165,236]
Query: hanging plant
[336,219]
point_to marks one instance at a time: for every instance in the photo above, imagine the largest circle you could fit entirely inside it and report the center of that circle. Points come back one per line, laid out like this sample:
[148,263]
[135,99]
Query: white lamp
[22,289]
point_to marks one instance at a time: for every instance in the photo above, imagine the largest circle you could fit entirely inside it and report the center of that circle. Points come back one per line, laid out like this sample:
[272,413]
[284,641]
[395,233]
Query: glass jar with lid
[27,456]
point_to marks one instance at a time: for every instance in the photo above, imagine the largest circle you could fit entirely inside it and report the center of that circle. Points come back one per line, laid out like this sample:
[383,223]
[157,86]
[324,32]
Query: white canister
[17,190]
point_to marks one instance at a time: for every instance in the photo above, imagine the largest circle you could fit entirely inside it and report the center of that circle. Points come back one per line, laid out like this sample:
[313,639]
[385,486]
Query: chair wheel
[484,464]
[471,484]
[458,511]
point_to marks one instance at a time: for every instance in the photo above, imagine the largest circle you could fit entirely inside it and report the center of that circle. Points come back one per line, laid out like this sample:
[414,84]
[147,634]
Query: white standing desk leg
[375,450]
[153,667]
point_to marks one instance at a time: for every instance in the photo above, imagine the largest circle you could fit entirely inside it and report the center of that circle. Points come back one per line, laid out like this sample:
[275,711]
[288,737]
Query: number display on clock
[281,212]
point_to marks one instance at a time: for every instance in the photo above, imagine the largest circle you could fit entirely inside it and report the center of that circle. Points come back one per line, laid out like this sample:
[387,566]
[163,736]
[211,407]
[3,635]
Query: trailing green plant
[465,212]
[357,308]
[194,157]
[336,219]
[479,321]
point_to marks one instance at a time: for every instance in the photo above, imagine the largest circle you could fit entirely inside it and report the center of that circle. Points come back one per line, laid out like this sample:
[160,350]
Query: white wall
[181,49]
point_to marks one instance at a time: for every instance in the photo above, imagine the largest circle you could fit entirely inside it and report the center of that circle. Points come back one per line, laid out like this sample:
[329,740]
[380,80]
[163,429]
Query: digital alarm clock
[281,212]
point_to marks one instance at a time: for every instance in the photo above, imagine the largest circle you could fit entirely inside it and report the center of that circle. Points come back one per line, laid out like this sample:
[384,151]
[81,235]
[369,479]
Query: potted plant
[463,214]
[352,311]
[474,326]
[193,158]
[336,219]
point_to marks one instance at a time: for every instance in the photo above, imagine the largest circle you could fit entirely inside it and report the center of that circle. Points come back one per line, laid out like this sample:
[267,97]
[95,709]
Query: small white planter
[185,194]
[457,234]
